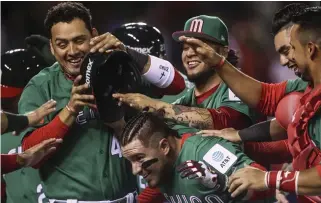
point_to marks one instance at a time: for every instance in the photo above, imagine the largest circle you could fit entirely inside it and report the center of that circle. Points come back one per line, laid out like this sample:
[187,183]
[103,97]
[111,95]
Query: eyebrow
[283,48]
[74,38]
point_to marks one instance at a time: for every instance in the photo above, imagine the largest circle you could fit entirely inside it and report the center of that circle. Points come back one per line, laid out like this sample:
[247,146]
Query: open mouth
[193,64]
[75,62]
[146,175]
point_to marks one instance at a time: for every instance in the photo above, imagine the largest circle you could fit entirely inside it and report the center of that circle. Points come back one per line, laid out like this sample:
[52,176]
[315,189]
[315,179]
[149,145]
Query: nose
[137,168]
[190,52]
[283,60]
[73,49]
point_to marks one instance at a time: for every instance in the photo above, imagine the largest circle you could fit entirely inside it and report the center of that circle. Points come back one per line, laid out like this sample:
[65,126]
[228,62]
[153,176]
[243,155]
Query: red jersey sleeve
[266,153]
[9,163]
[270,97]
[226,117]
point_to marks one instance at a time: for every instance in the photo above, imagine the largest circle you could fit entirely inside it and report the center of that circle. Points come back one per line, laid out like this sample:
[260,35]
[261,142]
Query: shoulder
[296,85]
[45,75]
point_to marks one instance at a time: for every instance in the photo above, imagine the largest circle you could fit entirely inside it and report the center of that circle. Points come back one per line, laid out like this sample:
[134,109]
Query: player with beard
[210,104]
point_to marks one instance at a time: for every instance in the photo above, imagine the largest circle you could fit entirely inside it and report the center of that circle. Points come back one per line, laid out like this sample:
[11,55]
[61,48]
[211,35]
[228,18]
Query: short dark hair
[147,127]
[310,25]
[66,12]
[284,16]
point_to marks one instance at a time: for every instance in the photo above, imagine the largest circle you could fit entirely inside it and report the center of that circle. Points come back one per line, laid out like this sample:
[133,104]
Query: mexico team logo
[217,156]
[196,25]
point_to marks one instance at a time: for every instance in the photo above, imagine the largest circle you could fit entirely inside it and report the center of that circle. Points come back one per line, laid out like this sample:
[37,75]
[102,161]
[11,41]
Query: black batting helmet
[143,38]
[18,66]
[106,74]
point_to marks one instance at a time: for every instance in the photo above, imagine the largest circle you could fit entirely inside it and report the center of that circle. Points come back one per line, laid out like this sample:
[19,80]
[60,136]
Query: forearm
[264,131]
[9,163]
[57,128]
[306,182]
[245,87]
[13,122]
[191,116]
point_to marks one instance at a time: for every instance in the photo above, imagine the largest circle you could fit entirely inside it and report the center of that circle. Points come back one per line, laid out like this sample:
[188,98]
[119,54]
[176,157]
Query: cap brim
[200,35]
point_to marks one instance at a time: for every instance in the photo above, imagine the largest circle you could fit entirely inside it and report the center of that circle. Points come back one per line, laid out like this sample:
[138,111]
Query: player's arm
[59,126]
[200,118]
[306,182]
[159,72]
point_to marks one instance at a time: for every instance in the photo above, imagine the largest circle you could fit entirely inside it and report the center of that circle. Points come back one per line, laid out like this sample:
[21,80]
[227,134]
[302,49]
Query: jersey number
[115,148]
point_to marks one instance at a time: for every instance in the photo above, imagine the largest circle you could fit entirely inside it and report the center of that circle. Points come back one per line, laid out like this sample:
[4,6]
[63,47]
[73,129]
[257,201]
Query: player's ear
[164,146]
[51,47]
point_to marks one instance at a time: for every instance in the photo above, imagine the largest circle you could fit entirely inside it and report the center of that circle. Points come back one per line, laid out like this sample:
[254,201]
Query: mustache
[148,163]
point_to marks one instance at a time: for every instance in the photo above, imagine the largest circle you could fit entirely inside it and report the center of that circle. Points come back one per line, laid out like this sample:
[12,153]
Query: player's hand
[209,55]
[36,153]
[228,133]
[138,101]
[245,179]
[198,170]
[35,117]
[106,42]
[78,99]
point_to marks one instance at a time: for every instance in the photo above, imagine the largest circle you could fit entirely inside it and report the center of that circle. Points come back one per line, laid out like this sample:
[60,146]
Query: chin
[152,184]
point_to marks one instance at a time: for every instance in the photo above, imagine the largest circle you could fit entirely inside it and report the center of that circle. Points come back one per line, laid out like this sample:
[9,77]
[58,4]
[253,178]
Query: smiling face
[137,153]
[197,70]
[283,47]
[69,44]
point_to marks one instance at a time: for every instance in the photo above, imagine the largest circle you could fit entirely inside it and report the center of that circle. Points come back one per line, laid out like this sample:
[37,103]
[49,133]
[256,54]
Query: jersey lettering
[232,96]
[192,199]
[220,158]
[41,194]
[142,183]
[115,147]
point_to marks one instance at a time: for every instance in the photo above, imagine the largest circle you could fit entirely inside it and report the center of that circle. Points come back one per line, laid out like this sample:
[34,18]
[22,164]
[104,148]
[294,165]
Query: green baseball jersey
[314,128]
[88,165]
[218,154]
[296,85]
[22,185]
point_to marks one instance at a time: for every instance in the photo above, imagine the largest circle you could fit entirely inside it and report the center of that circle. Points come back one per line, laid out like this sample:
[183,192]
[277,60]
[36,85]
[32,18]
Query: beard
[201,77]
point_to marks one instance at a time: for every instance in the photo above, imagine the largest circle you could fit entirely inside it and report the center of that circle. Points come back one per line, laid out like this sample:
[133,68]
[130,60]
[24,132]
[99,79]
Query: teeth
[75,60]
[192,62]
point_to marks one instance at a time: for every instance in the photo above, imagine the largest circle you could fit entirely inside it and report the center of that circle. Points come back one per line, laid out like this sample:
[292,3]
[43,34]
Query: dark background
[249,25]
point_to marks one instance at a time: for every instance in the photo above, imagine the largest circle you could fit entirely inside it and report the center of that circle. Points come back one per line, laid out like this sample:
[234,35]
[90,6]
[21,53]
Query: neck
[316,73]
[211,82]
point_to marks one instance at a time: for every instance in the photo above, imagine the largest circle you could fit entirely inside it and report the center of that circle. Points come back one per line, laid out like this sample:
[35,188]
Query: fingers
[209,132]
[242,187]
[234,184]
[77,80]
[192,41]
[104,42]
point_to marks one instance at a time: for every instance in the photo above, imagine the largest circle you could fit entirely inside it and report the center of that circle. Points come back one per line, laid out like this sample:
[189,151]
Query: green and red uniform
[88,165]
[22,185]
[304,140]
[220,154]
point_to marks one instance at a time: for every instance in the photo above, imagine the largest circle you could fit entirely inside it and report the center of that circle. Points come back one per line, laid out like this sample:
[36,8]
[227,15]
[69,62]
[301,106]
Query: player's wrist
[20,160]
[71,110]
[220,64]
[282,180]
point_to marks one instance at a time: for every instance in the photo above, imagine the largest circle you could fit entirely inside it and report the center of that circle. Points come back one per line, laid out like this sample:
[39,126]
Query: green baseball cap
[206,27]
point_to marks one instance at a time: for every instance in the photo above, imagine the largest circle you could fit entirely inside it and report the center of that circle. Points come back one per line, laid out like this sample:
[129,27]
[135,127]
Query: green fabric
[195,148]
[22,185]
[208,27]
[297,85]
[88,165]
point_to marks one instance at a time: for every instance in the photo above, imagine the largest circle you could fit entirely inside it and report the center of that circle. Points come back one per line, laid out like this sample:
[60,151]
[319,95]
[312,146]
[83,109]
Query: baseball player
[210,104]
[186,169]
[89,165]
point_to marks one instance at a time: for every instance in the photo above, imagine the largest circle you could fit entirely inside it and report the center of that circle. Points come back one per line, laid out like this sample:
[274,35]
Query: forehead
[69,30]
[282,38]
[134,147]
